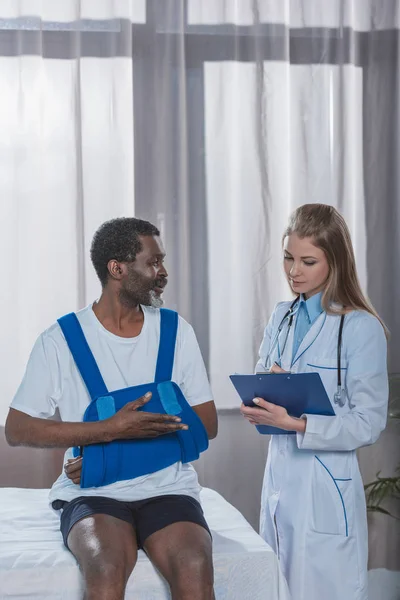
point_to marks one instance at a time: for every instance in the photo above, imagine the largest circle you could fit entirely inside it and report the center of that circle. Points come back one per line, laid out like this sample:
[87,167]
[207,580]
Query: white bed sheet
[34,565]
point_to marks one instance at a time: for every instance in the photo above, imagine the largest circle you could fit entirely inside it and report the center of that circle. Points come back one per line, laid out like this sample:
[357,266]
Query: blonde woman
[313,509]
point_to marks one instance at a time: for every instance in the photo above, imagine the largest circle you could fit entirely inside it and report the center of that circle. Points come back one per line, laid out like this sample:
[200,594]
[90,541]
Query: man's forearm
[24,430]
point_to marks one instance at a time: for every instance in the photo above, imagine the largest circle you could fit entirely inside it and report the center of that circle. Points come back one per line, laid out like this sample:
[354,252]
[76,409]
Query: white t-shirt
[53,381]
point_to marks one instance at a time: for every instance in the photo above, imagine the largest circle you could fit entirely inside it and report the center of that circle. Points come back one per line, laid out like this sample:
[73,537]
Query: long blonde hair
[329,232]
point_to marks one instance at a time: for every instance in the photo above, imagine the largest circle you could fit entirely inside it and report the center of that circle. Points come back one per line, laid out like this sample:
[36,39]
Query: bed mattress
[34,565]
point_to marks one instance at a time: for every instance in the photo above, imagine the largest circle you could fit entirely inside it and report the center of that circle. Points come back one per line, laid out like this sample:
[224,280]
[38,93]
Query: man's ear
[117,270]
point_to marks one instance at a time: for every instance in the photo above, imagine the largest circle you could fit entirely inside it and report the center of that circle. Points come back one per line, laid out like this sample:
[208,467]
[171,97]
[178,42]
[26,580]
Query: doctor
[313,510]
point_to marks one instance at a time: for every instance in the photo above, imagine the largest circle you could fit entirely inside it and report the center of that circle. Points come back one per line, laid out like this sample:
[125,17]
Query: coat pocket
[328,371]
[332,501]
[327,368]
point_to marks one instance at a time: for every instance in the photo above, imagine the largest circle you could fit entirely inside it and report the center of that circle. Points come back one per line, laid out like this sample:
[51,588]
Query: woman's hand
[267,413]
[277,369]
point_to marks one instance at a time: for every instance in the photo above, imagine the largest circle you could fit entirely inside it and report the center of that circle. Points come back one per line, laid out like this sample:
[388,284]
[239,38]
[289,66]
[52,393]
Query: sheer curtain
[214,119]
[66,147]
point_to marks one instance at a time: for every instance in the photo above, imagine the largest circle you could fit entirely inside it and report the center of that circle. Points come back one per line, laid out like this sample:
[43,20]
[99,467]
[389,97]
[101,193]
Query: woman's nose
[295,270]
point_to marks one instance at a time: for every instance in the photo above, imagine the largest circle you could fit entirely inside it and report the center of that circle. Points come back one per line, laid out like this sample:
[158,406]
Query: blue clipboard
[299,393]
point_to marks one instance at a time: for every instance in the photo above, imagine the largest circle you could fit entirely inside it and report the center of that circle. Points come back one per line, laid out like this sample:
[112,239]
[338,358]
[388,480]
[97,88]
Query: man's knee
[104,569]
[104,578]
[106,552]
[193,565]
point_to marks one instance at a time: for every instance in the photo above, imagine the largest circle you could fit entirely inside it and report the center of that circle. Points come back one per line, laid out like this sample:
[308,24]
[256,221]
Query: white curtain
[281,133]
[238,113]
[305,160]
[66,145]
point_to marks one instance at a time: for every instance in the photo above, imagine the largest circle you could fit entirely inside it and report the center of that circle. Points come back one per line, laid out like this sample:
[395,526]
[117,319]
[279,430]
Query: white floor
[384,585]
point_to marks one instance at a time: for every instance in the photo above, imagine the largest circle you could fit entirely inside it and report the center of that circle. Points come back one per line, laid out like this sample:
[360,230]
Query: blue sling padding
[86,362]
[126,459]
[166,349]
[83,356]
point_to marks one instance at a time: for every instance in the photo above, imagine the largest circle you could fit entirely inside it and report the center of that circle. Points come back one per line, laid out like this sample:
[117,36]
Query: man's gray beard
[155,301]
[127,300]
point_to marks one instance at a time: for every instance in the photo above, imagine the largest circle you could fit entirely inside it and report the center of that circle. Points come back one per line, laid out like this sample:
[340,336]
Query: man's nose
[163,271]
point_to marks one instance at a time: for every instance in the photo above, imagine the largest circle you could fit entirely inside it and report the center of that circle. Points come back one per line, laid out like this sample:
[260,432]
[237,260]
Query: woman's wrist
[298,425]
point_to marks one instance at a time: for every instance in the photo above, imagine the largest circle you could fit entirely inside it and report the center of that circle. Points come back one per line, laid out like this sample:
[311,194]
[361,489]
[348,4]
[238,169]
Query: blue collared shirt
[308,312]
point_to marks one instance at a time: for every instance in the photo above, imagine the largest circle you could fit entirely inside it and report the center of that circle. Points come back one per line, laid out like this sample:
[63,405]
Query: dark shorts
[146,516]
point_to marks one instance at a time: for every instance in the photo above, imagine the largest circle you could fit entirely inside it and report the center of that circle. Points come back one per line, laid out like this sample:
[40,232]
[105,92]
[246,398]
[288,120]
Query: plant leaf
[379,509]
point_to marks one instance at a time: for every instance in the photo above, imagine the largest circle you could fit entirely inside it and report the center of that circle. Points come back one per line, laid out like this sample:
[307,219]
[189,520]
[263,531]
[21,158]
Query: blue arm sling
[119,460]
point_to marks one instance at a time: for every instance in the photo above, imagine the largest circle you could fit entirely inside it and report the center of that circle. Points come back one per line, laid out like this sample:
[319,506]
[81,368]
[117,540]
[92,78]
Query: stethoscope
[288,315]
[340,394]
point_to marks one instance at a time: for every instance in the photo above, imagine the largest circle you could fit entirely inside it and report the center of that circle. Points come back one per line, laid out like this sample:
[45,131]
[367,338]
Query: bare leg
[106,550]
[182,552]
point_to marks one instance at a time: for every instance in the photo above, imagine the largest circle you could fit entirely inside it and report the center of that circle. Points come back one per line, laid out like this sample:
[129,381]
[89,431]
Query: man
[160,512]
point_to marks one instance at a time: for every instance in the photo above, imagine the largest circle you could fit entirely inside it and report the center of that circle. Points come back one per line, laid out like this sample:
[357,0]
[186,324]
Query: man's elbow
[11,438]
[207,414]
[12,432]
[212,430]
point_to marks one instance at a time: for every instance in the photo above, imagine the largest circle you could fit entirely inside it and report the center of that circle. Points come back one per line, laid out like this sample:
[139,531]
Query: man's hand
[130,423]
[73,469]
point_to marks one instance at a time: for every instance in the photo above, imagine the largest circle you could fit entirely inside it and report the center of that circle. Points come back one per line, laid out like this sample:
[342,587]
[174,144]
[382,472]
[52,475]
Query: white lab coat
[313,510]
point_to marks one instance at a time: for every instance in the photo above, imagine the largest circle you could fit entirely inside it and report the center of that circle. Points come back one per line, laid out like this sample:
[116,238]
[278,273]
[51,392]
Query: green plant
[381,489]
[384,488]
